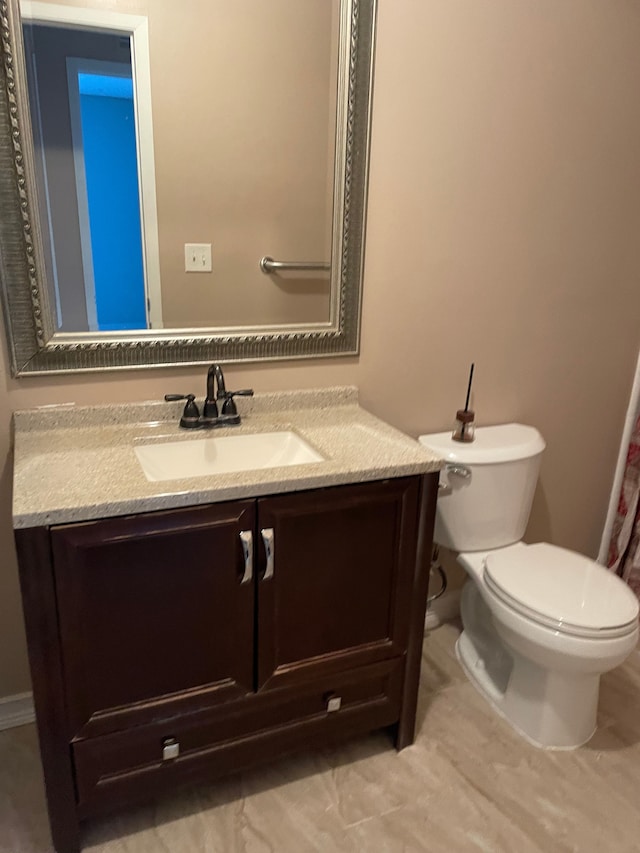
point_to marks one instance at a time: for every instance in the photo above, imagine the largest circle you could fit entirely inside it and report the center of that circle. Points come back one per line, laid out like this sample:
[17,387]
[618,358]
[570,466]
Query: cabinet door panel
[343,566]
[154,619]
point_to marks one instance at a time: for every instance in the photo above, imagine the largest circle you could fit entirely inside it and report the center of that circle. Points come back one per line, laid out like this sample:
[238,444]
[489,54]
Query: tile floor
[467,784]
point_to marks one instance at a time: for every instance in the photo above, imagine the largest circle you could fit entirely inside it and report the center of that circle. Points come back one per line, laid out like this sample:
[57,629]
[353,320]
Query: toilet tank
[486,487]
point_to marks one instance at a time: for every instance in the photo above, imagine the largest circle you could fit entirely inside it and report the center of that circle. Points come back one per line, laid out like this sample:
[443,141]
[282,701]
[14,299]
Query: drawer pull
[333,702]
[246,537]
[170,748]
[269,549]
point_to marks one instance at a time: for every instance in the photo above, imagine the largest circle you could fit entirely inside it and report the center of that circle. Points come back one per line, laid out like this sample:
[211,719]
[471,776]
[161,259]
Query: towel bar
[268,265]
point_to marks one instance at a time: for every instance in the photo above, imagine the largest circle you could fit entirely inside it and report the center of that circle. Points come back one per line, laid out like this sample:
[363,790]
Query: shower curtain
[624,546]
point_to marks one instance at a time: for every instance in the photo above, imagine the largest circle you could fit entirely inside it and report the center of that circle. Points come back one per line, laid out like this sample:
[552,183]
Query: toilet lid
[562,589]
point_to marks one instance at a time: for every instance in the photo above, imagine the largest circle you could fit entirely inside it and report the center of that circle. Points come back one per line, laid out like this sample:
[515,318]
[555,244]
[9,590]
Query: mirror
[255,164]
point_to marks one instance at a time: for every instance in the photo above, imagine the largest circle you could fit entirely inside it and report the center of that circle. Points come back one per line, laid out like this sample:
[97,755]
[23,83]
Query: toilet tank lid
[502,443]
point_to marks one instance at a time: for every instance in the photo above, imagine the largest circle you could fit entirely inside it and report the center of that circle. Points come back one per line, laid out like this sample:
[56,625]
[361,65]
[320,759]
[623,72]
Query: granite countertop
[75,463]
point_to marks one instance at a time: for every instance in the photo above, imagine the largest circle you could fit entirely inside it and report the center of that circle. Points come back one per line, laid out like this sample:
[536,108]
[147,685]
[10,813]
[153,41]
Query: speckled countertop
[74,463]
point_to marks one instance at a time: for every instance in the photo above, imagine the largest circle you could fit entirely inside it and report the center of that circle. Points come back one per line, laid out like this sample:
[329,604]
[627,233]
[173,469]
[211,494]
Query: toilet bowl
[540,623]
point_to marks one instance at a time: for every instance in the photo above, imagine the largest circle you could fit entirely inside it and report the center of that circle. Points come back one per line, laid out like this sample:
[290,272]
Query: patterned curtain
[624,548]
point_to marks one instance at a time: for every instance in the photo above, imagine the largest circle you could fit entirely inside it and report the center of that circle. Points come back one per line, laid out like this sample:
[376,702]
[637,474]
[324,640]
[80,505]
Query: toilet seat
[561,590]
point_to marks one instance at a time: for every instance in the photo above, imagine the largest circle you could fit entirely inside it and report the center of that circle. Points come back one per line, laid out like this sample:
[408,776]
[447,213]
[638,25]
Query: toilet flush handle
[458,470]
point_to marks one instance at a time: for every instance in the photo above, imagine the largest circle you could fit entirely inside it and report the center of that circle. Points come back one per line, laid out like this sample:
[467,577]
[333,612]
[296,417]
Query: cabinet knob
[333,702]
[170,748]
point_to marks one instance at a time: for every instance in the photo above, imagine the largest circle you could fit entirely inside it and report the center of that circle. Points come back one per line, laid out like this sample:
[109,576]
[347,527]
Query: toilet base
[551,710]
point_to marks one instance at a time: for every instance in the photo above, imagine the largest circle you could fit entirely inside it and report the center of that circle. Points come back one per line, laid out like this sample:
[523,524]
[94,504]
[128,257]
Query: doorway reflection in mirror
[84,124]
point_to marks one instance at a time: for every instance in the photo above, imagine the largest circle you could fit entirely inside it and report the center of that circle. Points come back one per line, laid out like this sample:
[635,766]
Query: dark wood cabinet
[172,646]
[154,619]
[340,595]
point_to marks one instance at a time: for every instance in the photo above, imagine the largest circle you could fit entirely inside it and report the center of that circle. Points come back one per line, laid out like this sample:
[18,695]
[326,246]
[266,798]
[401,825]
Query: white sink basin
[201,457]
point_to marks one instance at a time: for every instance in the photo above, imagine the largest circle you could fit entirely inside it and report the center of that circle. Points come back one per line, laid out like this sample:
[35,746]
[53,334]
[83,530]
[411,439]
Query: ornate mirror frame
[35,348]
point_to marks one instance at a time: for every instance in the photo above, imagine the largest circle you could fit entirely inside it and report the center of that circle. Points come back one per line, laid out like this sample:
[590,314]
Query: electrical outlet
[197,257]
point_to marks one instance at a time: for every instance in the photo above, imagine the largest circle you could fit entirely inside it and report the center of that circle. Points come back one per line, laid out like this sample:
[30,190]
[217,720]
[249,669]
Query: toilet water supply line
[436,567]
[632,413]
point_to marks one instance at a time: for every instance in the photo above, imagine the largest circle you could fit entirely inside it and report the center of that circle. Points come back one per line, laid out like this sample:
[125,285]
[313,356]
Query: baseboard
[16,710]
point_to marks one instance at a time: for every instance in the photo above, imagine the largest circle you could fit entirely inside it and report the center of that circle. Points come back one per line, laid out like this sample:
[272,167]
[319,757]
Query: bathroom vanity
[186,627]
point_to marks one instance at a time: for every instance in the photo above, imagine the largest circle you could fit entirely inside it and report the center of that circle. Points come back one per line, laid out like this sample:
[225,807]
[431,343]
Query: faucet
[214,376]
[216,390]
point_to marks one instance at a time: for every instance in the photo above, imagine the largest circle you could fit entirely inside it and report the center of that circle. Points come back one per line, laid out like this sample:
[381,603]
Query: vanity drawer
[116,768]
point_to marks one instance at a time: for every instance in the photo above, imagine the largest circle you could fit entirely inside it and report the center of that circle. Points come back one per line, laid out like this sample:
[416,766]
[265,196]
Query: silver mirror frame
[36,349]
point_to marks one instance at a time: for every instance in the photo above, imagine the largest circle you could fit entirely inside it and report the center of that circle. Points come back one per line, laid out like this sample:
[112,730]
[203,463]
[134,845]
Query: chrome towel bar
[268,265]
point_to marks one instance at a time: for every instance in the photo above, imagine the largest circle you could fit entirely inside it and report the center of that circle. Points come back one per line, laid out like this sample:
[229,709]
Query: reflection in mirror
[263,191]
[151,140]
[81,98]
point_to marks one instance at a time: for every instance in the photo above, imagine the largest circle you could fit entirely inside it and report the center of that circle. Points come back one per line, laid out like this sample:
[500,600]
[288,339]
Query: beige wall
[504,209]
[503,229]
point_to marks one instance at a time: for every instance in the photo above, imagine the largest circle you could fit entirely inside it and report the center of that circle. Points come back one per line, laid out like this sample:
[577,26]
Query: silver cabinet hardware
[246,538]
[458,470]
[269,549]
[268,265]
[334,703]
[170,748]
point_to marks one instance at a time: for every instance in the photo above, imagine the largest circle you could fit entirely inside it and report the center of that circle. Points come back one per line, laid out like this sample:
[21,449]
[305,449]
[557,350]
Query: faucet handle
[225,395]
[229,406]
[191,416]
[244,392]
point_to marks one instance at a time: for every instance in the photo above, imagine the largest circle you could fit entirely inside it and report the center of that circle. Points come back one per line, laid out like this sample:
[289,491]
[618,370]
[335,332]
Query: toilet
[540,623]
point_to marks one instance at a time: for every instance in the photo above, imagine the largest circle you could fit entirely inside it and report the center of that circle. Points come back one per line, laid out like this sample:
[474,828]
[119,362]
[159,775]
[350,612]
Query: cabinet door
[156,614]
[336,593]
